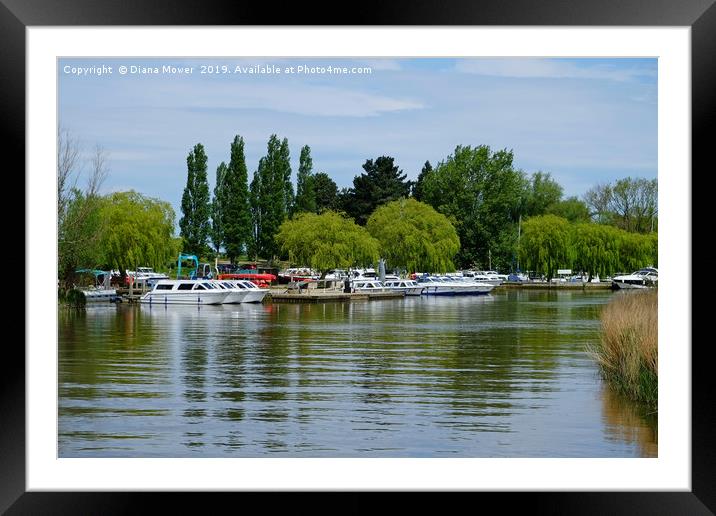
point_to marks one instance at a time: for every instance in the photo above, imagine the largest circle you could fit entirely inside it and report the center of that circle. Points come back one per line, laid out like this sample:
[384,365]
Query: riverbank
[627,352]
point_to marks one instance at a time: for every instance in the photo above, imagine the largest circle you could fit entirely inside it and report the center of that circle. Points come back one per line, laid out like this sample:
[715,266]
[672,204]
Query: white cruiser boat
[368,286]
[236,294]
[643,278]
[185,292]
[409,287]
[489,277]
[439,286]
[253,293]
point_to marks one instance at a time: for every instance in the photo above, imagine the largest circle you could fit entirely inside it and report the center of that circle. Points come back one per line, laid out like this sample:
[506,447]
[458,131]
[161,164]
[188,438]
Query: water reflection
[490,376]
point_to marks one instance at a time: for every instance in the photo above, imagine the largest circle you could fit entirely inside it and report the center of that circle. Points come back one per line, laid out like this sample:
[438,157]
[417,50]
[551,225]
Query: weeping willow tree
[326,241]
[545,244]
[635,250]
[414,236]
[138,231]
[595,248]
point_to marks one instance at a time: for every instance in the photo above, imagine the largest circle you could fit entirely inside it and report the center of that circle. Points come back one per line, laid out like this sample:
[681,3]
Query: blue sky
[585,121]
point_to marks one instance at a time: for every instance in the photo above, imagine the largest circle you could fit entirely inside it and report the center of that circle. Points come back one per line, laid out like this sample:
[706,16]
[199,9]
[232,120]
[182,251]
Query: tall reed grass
[627,352]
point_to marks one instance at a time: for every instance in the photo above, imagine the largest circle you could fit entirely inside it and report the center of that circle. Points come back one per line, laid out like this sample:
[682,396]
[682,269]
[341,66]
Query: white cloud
[549,68]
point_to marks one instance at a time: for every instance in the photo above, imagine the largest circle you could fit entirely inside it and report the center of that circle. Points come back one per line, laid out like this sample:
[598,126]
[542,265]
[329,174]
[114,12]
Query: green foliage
[305,192]
[571,209]
[138,231]
[542,193]
[630,204]
[545,244]
[326,192]
[326,241]
[418,186]
[481,194]
[75,298]
[414,236]
[217,208]
[236,216]
[595,248]
[195,206]
[271,197]
[382,182]
[79,234]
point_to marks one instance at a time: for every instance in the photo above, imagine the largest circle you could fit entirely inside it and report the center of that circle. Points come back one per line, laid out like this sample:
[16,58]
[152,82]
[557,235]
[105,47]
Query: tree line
[479,191]
[471,209]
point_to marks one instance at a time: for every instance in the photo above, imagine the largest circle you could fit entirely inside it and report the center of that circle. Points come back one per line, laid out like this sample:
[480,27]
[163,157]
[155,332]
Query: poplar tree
[236,216]
[195,206]
[217,208]
[305,190]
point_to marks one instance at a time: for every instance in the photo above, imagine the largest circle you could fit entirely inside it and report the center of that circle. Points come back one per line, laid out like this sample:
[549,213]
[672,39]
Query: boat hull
[182,298]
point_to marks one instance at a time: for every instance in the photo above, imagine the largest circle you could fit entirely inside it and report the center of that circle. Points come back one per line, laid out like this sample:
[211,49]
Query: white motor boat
[185,292]
[100,295]
[409,287]
[254,294]
[236,294]
[440,286]
[643,278]
[368,286]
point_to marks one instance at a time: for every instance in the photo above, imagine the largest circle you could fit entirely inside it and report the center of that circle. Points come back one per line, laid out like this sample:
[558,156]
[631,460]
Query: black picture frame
[700,15]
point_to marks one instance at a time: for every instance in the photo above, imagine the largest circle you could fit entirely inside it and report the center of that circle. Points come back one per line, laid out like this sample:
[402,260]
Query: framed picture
[158,92]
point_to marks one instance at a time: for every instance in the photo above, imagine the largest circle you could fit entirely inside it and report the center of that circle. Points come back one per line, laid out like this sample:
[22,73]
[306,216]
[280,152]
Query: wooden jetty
[603,285]
[317,296]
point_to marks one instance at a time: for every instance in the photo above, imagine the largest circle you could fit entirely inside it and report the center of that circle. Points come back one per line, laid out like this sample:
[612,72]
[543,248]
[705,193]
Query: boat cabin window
[207,286]
[185,286]
[199,287]
[228,285]
[163,287]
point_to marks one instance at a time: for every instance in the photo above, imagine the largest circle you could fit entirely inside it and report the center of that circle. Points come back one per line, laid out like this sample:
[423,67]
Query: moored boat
[185,292]
[409,287]
[643,278]
[442,286]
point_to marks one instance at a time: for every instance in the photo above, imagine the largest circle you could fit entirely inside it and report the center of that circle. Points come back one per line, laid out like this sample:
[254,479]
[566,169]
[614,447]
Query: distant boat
[643,278]
[409,287]
[362,285]
[453,286]
[185,292]
[297,274]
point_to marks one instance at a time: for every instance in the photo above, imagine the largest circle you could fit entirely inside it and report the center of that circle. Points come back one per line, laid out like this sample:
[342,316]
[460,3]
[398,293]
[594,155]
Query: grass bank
[627,352]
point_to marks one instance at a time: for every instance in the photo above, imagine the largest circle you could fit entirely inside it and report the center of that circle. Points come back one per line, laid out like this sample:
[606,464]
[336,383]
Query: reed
[627,351]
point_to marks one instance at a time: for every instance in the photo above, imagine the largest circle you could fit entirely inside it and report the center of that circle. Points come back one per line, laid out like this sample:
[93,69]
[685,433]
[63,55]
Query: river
[502,375]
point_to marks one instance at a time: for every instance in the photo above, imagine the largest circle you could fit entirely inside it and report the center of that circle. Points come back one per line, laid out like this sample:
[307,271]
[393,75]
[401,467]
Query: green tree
[382,182]
[418,186]
[271,197]
[326,241]
[634,204]
[481,193]
[305,192]
[326,192]
[542,193]
[284,174]
[545,245]
[79,225]
[195,206]
[571,209]
[237,215]
[414,236]
[635,251]
[217,208]
[595,248]
[138,231]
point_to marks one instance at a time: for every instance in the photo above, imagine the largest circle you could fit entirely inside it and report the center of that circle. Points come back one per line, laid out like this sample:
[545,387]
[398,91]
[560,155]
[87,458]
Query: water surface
[503,375]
